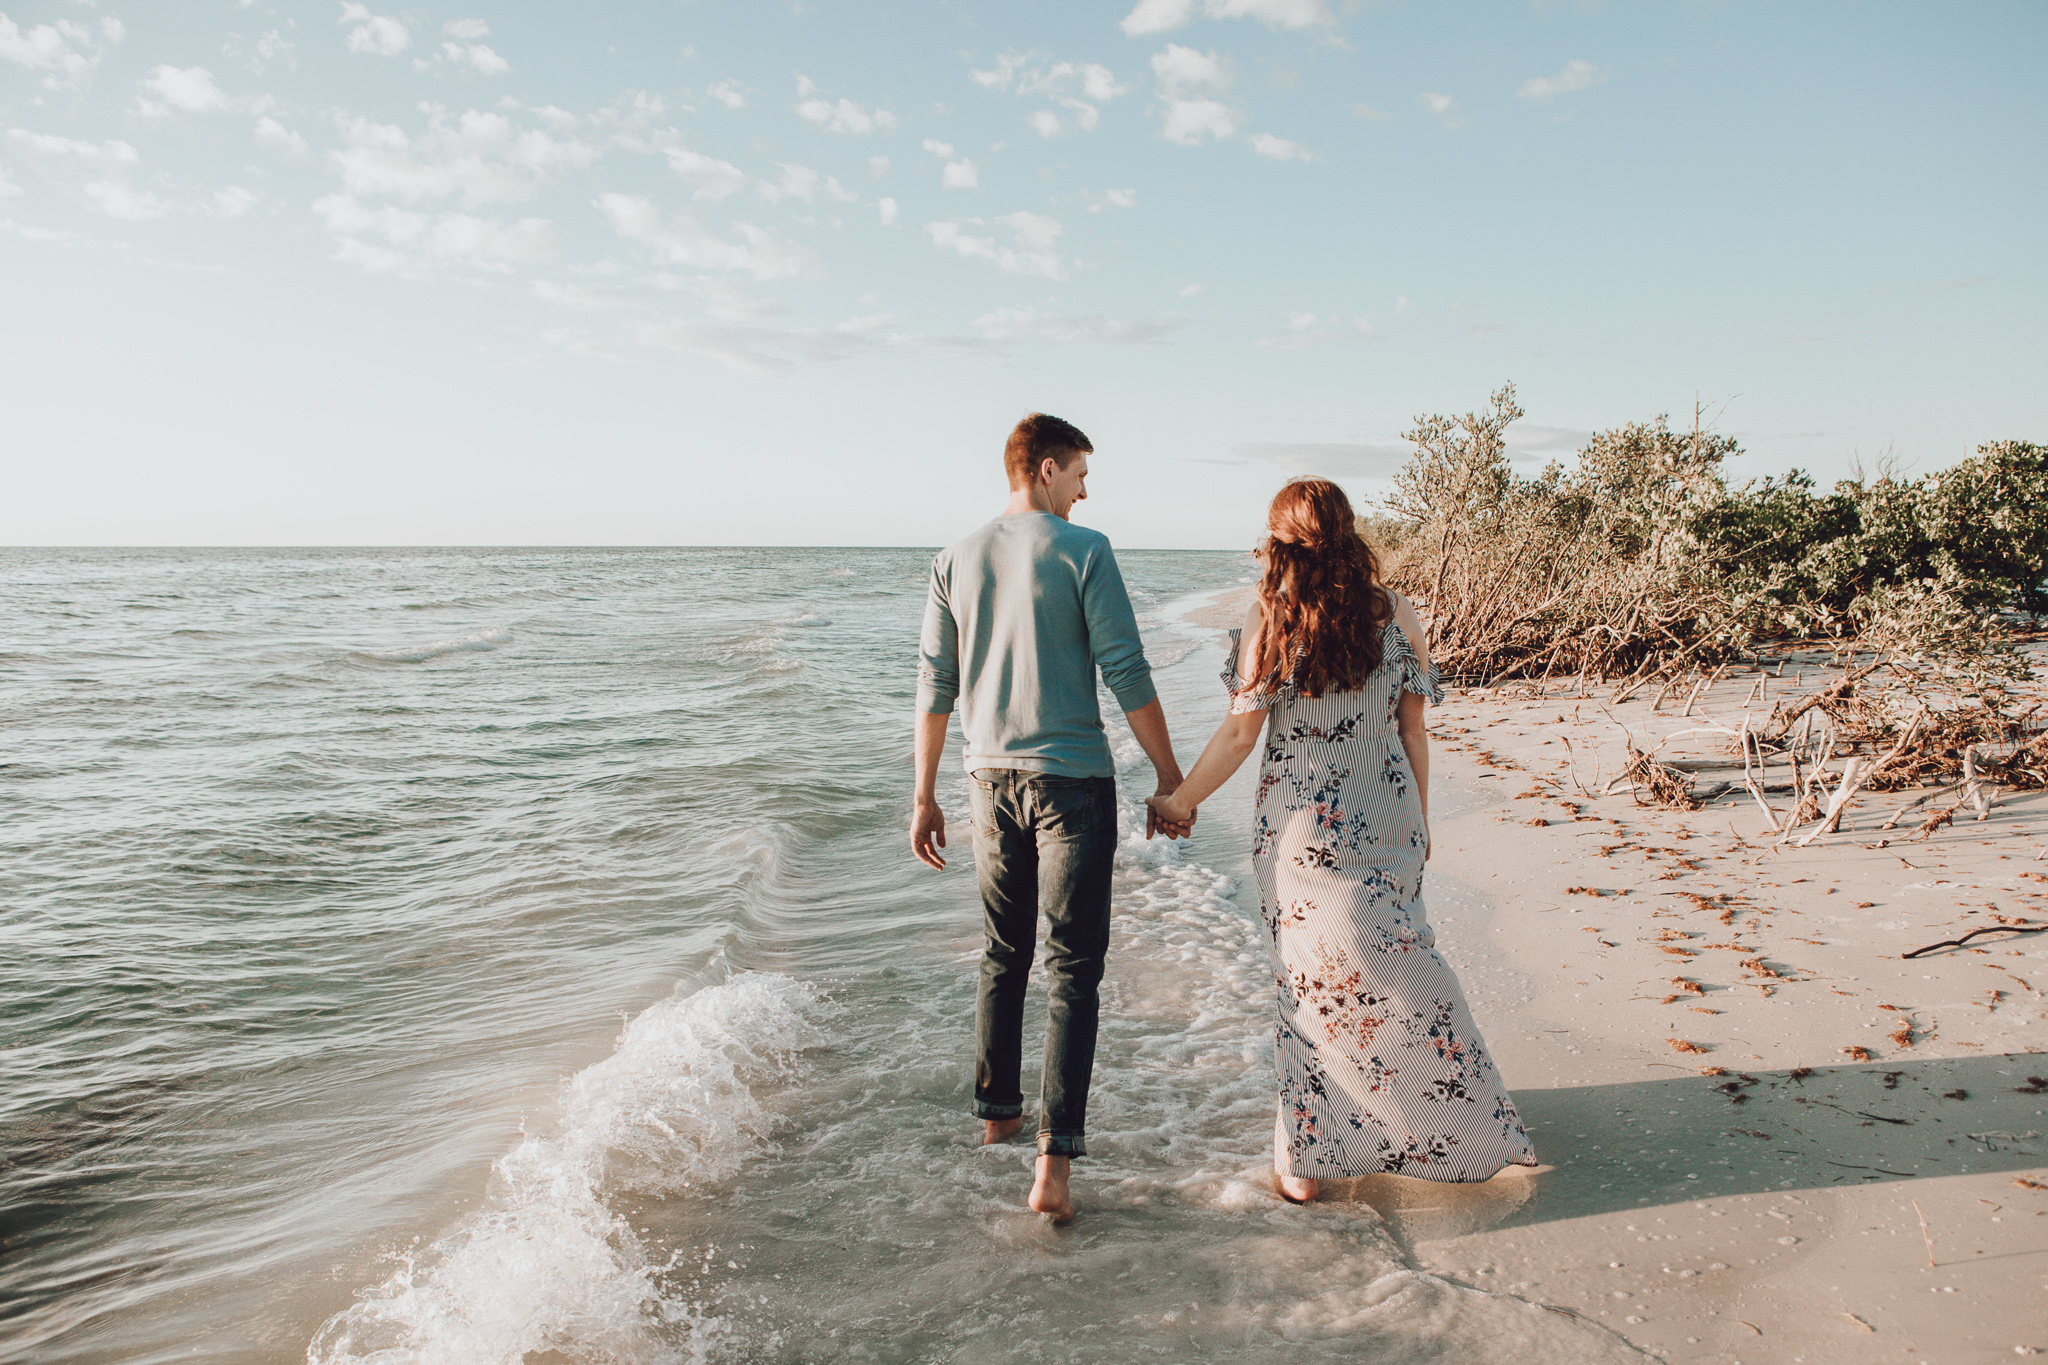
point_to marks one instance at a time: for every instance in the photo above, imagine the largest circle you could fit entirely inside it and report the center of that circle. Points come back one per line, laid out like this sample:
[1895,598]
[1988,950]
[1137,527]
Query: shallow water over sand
[481,956]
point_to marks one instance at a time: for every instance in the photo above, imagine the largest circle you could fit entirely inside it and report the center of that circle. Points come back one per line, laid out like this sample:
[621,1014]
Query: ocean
[515,955]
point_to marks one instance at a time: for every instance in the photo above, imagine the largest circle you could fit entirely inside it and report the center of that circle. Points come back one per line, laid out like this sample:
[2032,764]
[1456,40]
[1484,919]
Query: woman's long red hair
[1324,608]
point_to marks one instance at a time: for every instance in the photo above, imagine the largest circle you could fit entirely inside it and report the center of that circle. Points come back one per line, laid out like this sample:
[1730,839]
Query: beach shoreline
[1746,1099]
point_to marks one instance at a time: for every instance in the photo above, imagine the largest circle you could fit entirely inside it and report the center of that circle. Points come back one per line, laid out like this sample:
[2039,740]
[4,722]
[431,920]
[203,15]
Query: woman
[1381,1068]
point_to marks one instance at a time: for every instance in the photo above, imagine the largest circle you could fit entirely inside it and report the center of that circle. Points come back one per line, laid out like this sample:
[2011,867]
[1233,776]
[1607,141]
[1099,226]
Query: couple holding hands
[1380,1068]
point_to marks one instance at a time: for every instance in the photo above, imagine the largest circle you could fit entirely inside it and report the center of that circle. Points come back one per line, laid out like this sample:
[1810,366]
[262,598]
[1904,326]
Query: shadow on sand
[1623,1147]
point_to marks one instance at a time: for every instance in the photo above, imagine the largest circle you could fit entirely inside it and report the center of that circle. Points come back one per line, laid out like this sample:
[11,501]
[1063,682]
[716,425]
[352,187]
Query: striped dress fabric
[1381,1068]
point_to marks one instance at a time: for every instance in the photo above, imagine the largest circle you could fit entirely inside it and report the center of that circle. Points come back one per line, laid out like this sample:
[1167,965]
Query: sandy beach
[1749,1101]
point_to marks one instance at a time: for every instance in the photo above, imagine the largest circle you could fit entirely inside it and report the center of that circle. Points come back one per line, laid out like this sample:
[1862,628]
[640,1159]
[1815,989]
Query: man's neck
[1031,499]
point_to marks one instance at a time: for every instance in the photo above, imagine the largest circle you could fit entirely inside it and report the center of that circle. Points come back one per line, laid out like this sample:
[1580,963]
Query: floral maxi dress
[1381,1068]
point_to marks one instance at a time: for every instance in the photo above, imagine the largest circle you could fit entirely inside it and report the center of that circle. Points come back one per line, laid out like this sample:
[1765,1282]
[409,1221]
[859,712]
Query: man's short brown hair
[1038,438]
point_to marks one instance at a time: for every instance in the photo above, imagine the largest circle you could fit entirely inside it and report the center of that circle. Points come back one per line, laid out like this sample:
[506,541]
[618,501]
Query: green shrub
[1638,555]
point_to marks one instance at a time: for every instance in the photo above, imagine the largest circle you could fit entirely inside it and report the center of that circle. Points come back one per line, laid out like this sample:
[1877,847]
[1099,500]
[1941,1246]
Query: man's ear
[1047,468]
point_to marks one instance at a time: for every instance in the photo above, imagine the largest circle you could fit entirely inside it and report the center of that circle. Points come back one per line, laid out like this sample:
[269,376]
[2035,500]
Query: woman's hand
[1172,815]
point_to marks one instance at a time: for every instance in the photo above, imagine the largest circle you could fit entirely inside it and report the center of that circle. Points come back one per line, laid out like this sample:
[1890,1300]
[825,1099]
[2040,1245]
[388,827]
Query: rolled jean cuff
[983,1109]
[1062,1144]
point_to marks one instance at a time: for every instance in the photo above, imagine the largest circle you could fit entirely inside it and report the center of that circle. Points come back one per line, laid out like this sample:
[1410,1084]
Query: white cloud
[475,56]
[724,298]
[842,116]
[1110,199]
[1029,250]
[1443,107]
[97,170]
[118,201]
[682,240]
[378,35]
[8,187]
[469,30]
[1331,459]
[707,176]
[1179,70]
[480,157]
[582,343]
[1527,442]
[1383,459]
[389,240]
[635,120]
[727,93]
[1188,291]
[1577,75]
[1158,16]
[1077,88]
[798,182]
[999,76]
[878,166]
[588,300]
[278,138]
[1369,114]
[1162,16]
[959,173]
[1012,324]
[1279,148]
[234,201]
[887,209]
[64,51]
[272,46]
[739,347]
[1187,120]
[765,350]
[1277,14]
[801,182]
[188,89]
[1304,330]
[1181,74]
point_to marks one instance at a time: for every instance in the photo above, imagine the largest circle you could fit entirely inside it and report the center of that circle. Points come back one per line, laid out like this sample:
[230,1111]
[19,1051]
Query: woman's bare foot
[1296,1189]
[1000,1130]
[1049,1194]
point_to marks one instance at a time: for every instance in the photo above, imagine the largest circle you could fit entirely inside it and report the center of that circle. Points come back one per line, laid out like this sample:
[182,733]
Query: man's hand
[1164,816]
[928,828]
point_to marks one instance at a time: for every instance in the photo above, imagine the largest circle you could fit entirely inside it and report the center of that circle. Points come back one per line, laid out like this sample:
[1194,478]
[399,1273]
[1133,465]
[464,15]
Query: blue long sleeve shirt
[1021,615]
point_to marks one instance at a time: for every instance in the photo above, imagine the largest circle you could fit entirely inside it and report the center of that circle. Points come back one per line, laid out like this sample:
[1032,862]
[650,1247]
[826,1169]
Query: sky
[695,272]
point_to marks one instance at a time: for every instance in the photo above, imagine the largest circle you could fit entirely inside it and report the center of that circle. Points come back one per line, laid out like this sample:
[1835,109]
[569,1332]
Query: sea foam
[549,1265]
[482,640]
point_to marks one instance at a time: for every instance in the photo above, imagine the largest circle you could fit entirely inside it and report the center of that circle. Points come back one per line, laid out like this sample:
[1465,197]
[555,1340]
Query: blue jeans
[1041,844]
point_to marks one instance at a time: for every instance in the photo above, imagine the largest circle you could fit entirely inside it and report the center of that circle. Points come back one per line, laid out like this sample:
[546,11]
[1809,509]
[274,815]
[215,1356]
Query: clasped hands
[1164,814]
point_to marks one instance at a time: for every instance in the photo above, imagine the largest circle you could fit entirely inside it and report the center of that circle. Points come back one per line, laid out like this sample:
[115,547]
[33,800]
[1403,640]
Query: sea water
[481,956]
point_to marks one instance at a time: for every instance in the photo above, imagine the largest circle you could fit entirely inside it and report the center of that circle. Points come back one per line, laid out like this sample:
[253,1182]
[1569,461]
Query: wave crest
[482,640]
[548,1266]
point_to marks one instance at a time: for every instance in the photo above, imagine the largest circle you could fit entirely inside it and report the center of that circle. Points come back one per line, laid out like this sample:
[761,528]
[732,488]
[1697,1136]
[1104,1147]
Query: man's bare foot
[1049,1194]
[1000,1130]
[1296,1189]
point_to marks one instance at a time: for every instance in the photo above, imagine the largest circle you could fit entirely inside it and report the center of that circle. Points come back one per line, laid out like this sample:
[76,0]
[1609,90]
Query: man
[1020,616]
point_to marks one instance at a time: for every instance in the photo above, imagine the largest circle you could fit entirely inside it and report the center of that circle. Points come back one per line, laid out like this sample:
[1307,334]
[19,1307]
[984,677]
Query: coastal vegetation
[1638,564]
[1639,558]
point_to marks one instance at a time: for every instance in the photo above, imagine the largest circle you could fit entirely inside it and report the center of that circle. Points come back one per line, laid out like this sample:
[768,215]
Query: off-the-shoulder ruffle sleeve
[1244,697]
[1416,676]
